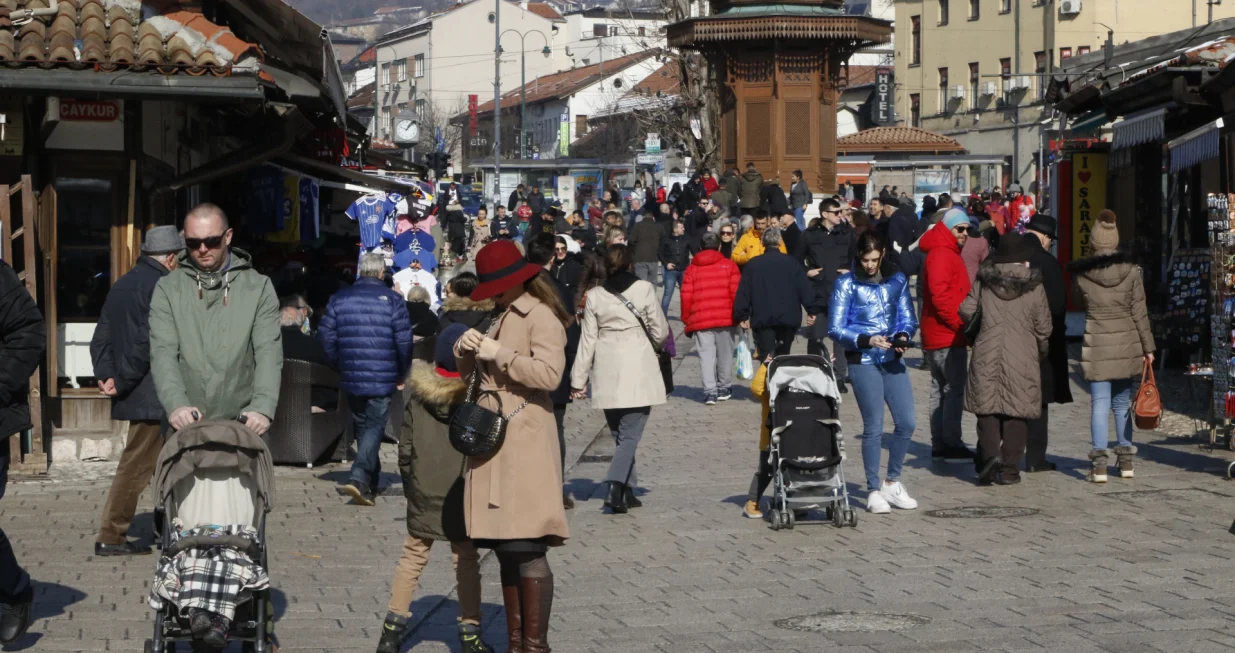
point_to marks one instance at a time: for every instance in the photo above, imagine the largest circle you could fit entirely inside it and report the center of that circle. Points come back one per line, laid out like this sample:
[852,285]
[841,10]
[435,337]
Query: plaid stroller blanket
[215,578]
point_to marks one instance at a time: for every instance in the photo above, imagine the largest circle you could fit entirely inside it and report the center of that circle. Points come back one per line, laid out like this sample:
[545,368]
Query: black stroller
[214,484]
[807,449]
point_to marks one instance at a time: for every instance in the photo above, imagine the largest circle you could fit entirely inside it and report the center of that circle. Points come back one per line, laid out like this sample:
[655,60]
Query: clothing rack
[1221,220]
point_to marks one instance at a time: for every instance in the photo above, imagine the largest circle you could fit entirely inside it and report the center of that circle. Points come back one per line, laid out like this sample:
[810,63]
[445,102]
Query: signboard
[883,103]
[12,129]
[563,136]
[90,110]
[566,192]
[652,144]
[928,181]
[648,159]
[473,102]
[1088,197]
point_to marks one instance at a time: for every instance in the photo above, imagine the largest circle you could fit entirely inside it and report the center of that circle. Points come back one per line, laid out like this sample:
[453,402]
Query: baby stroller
[214,484]
[807,447]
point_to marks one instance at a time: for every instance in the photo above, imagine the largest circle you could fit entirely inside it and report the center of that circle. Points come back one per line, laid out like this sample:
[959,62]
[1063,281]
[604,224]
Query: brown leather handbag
[1148,404]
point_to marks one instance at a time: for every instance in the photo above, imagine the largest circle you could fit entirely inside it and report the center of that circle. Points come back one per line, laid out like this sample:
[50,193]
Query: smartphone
[902,343]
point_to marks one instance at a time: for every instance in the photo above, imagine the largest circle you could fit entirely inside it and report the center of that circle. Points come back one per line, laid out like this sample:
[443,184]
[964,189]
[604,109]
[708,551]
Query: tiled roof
[557,85]
[665,80]
[110,35]
[896,139]
[861,76]
[545,10]
[364,97]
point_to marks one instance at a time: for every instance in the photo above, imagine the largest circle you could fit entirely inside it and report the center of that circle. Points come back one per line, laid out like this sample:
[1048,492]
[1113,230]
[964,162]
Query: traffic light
[437,162]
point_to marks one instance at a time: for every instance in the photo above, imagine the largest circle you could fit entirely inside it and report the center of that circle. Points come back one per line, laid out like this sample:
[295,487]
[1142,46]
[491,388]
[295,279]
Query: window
[420,108]
[1005,74]
[915,110]
[975,9]
[943,90]
[1039,66]
[1065,53]
[916,40]
[580,126]
[1084,49]
[401,70]
[974,85]
[388,122]
[600,30]
[419,69]
[642,31]
[1005,6]
[943,12]
[386,74]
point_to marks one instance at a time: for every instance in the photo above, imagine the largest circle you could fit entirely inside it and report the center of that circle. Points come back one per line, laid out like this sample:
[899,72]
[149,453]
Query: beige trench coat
[616,352]
[517,493]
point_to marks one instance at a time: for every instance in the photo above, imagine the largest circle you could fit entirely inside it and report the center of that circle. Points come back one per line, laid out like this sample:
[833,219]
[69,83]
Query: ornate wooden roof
[778,21]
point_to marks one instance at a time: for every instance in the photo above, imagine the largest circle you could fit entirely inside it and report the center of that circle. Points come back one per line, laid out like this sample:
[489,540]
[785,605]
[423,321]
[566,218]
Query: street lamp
[523,77]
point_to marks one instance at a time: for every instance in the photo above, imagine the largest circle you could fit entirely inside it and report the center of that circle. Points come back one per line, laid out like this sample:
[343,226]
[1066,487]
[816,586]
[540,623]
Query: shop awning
[1089,123]
[333,173]
[1140,128]
[853,173]
[1198,145]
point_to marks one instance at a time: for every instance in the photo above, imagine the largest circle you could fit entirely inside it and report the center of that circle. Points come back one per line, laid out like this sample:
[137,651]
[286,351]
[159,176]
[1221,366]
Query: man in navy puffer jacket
[367,335]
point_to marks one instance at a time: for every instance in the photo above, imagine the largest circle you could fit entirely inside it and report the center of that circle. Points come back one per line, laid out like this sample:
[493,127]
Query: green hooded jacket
[215,342]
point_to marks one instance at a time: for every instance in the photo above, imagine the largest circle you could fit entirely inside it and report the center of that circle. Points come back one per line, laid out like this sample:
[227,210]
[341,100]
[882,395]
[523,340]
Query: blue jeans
[874,386]
[799,214]
[369,415]
[13,579]
[672,278]
[1105,395]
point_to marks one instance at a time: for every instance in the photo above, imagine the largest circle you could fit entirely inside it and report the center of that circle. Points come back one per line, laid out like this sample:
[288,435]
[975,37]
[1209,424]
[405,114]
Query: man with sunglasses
[943,333]
[827,249]
[216,350]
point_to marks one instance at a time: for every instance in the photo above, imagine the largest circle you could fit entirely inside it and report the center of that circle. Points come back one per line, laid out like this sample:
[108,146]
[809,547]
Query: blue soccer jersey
[415,244]
[370,213]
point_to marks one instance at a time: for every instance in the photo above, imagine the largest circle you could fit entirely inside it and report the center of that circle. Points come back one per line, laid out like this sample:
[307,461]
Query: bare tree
[435,116]
[693,120]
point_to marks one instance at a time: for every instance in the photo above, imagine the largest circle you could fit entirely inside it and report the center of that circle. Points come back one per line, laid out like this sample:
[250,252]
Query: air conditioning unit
[988,89]
[1069,7]
[1019,82]
[958,92]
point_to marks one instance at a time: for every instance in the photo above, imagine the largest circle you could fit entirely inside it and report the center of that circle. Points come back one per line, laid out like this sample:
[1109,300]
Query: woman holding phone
[872,318]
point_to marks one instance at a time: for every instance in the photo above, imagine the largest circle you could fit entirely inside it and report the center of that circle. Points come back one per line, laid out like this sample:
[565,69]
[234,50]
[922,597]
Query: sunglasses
[961,229]
[560,249]
[726,233]
[212,242]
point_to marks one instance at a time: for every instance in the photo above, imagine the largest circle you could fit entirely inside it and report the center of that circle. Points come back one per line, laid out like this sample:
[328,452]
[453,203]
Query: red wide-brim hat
[500,267]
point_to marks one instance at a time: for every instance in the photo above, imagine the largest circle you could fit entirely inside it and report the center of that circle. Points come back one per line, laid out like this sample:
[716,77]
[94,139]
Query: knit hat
[1105,235]
[444,350]
[955,217]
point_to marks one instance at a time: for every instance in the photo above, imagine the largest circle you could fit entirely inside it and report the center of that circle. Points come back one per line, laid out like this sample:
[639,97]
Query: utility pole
[522,100]
[1016,108]
[1194,13]
[497,104]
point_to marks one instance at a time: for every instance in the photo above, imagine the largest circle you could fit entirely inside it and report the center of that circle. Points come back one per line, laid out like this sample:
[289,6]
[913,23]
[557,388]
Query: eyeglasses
[726,233]
[560,249]
[211,242]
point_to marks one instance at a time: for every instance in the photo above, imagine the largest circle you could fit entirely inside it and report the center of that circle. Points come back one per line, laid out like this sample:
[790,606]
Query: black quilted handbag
[476,431]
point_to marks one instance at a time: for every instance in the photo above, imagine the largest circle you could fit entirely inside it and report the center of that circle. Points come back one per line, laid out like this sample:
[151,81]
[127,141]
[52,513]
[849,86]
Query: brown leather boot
[514,608]
[537,606]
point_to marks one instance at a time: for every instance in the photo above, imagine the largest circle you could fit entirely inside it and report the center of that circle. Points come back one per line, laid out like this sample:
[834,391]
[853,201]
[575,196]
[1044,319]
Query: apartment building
[600,34]
[443,58]
[977,70]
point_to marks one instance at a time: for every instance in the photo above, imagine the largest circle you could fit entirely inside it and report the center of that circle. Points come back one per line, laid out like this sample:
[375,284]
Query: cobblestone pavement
[1133,566]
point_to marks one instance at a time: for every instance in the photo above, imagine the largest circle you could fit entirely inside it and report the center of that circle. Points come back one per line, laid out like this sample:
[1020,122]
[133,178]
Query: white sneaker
[896,495]
[876,504]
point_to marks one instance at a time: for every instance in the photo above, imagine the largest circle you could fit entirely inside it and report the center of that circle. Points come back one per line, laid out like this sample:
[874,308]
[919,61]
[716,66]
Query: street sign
[883,105]
[648,159]
[652,144]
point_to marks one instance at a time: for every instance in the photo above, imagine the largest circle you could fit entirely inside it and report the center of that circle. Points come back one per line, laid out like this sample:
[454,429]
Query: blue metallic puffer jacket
[367,333]
[864,308]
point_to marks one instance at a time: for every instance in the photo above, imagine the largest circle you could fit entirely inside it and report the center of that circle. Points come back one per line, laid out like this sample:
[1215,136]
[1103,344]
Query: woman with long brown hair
[621,321]
[513,500]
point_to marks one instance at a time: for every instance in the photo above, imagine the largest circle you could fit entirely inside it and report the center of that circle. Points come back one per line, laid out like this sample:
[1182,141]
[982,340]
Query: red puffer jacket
[947,285]
[708,289]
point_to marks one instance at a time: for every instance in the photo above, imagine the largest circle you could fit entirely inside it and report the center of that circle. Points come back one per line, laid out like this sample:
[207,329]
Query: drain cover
[981,512]
[1174,494]
[852,622]
[596,458]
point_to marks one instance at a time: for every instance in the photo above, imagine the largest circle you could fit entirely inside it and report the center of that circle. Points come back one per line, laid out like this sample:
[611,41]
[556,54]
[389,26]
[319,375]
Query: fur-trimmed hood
[437,393]
[1105,269]
[456,303]
[1008,280]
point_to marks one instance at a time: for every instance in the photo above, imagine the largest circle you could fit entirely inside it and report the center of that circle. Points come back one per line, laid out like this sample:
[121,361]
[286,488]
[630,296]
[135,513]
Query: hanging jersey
[310,216]
[370,213]
[416,244]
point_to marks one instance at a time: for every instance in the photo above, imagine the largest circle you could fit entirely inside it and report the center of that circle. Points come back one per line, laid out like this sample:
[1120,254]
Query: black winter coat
[120,348]
[773,200]
[1055,386]
[561,396]
[792,235]
[830,251]
[461,310]
[773,291]
[22,342]
[677,250]
[536,202]
[644,241]
[510,224]
[569,272]
[697,222]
